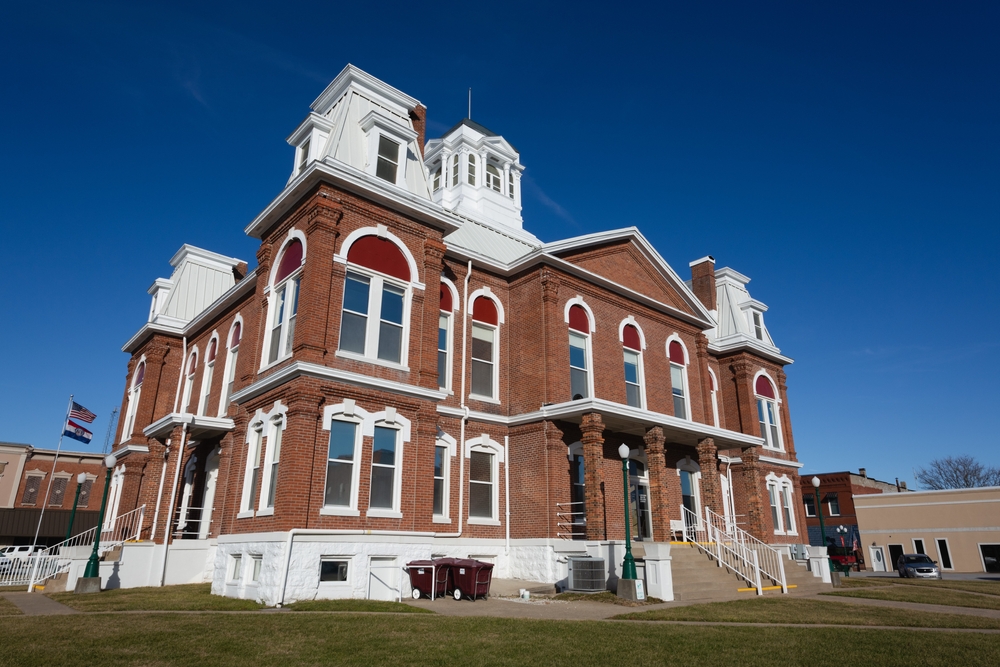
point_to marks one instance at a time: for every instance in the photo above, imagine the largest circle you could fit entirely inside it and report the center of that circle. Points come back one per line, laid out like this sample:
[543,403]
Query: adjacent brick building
[409,372]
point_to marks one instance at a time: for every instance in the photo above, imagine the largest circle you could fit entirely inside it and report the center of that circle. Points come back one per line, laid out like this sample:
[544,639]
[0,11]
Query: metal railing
[736,549]
[56,559]
[572,521]
[191,523]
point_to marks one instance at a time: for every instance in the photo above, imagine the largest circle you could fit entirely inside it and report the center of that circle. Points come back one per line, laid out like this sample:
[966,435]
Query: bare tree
[957,472]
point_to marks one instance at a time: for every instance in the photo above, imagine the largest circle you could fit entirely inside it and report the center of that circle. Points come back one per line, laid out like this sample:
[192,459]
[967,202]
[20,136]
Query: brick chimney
[703,281]
[418,115]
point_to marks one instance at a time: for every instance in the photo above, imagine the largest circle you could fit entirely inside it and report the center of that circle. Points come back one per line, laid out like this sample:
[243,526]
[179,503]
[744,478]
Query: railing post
[781,570]
[756,567]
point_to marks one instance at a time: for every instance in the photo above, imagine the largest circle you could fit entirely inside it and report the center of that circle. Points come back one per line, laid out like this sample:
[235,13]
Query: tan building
[959,528]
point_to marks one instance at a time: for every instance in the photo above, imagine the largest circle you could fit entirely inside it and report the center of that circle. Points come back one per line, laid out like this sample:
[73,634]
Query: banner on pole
[81,413]
[77,432]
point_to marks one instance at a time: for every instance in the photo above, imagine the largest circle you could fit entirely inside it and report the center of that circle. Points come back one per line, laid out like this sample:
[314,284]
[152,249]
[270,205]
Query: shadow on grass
[357,605]
[185,597]
[606,597]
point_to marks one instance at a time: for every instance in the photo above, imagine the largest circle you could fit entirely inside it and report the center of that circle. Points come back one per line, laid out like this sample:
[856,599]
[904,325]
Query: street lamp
[93,567]
[819,510]
[628,566]
[80,479]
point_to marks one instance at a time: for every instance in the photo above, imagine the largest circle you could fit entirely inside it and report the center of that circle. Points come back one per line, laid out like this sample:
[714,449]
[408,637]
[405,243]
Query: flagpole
[48,489]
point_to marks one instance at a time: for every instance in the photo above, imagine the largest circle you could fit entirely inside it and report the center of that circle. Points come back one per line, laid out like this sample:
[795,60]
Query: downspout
[159,492]
[177,469]
[506,493]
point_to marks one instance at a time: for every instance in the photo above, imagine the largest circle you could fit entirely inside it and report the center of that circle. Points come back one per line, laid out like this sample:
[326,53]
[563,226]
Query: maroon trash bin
[423,576]
[471,578]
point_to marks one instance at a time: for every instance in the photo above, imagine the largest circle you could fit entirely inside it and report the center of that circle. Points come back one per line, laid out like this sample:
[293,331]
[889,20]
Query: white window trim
[450,445]
[979,552]
[376,283]
[134,393]
[255,428]
[274,421]
[487,445]
[714,391]
[630,320]
[621,331]
[937,548]
[346,412]
[224,400]
[328,585]
[914,540]
[207,374]
[486,292]
[684,371]
[777,411]
[588,357]
[388,418]
[191,363]
[588,349]
[270,292]
[829,507]
[374,125]
[578,301]
[687,464]
[450,336]
[782,485]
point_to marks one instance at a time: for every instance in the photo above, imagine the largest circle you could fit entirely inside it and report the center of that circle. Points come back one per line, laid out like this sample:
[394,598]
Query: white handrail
[766,559]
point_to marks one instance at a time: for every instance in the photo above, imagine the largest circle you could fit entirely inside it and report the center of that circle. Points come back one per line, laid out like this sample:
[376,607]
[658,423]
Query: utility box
[587,575]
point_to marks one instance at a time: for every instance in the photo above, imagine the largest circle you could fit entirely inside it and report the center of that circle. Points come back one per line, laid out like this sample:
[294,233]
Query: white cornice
[781,462]
[122,452]
[364,82]
[306,369]
[742,342]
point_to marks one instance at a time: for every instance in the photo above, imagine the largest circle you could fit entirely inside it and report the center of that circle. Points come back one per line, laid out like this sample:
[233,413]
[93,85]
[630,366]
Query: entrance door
[383,579]
[639,514]
[878,559]
[689,499]
[895,551]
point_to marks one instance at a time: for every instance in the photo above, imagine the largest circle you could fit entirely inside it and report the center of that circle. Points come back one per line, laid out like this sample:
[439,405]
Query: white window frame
[785,491]
[254,449]
[588,353]
[449,335]
[134,393]
[486,445]
[494,177]
[805,507]
[630,321]
[715,397]
[923,544]
[397,473]
[776,409]
[347,411]
[689,465]
[829,504]
[486,292]
[275,421]
[684,374]
[206,375]
[235,574]
[191,370]
[588,372]
[937,548]
[334,585]
[447,443]
[232,355]
[291,286]
[375,126]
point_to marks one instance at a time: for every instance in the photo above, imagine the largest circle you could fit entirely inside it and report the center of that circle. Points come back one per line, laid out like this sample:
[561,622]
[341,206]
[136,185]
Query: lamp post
[93,567]
[80,479]
[819,510]
[628,566]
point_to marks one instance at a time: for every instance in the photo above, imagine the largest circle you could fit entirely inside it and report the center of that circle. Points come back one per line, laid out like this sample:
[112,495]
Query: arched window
[678,379]
[493,179]
[472,169]
[632,348]
[234,349]
[445,337]
[780,492]
[485,334]
[714,390]
[454,169]
[192,368]
[206,376]
[510,183]
[579,353]
[133,400]
[284,302]
[374,320]
[767,413]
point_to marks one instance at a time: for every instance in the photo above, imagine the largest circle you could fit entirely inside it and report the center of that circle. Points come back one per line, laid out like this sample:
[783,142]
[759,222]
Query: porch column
[656,461]
[593,454]
[708,461]
[754,491]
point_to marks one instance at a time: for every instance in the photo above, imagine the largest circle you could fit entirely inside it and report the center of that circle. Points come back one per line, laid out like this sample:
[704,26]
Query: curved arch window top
[485,310]
[493,179]
[632,350]
[140,373]
[676,351]
[284,302]
[291,260]
[763,387]
[444,338]
[446,300]
[485,328]
[192,363]
[211,350]
[380,255]
[133,401]
[578,319]
[678,379]
[767,413]
[234,339]
[630,338]
[579,352]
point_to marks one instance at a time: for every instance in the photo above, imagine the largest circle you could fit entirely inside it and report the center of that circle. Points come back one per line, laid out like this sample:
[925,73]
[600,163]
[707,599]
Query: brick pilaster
[708,461]
[754,490]
[593,452]
[786,417]
[701,346]
[743,370]
[321,220]
[430,301]
[656,460]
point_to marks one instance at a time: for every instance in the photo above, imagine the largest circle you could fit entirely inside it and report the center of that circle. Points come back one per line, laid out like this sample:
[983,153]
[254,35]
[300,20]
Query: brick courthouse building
[408,373]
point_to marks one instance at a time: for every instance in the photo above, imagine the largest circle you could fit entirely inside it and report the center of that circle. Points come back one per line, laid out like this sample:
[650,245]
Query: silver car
[918,566]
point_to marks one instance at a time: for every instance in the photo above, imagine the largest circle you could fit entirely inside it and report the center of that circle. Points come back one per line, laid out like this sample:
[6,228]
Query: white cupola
[476,173]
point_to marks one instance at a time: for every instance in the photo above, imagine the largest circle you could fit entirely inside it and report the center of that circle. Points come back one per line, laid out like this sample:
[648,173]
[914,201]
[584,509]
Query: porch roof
[200,426]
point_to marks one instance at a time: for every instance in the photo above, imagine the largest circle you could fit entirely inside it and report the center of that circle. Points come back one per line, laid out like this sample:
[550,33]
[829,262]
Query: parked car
[918,566]
[20,553]
[6,564]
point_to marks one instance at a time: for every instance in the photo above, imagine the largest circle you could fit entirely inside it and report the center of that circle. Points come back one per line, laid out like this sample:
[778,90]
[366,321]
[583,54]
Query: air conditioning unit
[587,574]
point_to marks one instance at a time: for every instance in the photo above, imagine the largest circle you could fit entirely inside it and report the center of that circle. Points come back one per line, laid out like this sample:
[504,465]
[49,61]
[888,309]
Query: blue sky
[843,155]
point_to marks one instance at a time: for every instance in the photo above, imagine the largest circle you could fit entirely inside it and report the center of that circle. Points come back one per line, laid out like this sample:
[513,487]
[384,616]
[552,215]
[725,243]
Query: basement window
[332,571]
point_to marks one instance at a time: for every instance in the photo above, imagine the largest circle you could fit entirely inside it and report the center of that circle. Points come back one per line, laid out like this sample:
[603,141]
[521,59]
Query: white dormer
[740,317]
[476,173]
[366,124]
[199,278]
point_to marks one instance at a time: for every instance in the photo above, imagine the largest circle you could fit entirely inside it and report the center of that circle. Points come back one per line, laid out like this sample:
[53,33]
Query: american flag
[81,413]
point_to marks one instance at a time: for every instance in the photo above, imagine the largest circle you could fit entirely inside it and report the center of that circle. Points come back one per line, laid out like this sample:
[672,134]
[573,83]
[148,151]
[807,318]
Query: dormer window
[472,169]
[758,327]
[493,178]
[303,155]
[388,159]
[436,182]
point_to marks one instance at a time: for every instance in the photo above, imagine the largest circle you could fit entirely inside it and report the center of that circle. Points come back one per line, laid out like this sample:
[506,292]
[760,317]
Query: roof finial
[470,103]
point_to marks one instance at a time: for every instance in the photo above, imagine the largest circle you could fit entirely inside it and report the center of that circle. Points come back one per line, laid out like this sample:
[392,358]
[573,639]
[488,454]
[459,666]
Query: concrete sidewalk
[36,604]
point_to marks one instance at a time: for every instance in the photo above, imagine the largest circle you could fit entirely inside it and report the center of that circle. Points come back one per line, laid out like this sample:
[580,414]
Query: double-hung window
[189,380]
[340,464]
[385,469]
[133,401]
[786,507]
[284,302]
[251,475]
[758,326]
[454,170]
[632,349]
[493,179]
[678,379]
[779,491]
[436,179]
[444,338]
[376,302]
[273,457]
[510,183]
[206,376]
[833,503]
[714,391]
[579,353]
[810,504]
[772,493]
[472,169]
[230,379]
[388,159]
[485,329]
[481,485]
[767,413]
[442,463]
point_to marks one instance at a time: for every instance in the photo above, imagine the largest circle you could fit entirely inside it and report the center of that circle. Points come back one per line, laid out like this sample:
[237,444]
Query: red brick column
[708,461]
[656,460]
[426,349]
[786,417]
[322,217]
[593,454]
[154,382]
[743,370]
[755,492]
[701,344]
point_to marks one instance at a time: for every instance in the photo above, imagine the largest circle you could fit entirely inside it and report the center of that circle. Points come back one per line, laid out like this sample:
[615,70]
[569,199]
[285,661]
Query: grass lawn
[923,595]
[795,610]
[987,587]
[309,639]
[188,597]
[8,608]
[606,597]
[357,605]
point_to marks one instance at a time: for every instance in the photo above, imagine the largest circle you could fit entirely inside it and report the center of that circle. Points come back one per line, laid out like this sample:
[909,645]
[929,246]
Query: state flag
[77,432]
